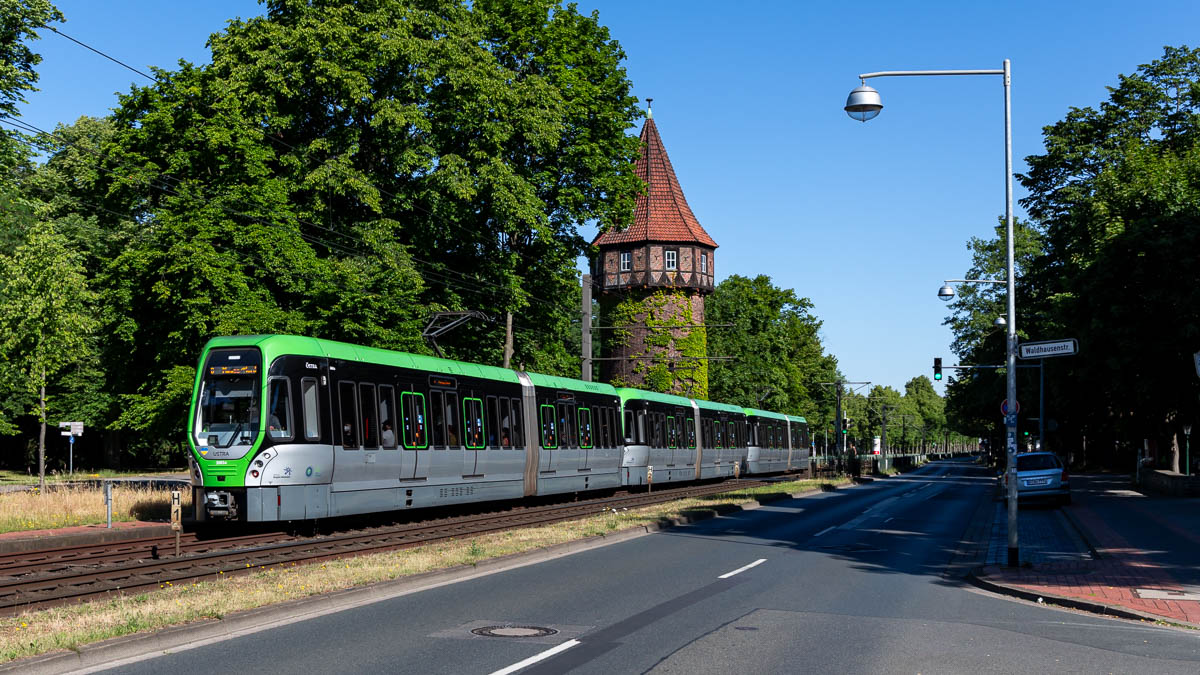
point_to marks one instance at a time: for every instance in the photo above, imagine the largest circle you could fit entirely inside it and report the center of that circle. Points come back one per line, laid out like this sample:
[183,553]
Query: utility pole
[508,339]
[840,445]
[586,342]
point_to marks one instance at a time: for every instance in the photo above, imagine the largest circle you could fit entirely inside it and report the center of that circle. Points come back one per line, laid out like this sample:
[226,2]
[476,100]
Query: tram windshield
[228,409]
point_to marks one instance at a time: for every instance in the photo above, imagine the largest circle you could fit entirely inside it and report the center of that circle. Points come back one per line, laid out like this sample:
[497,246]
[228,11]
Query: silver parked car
[1040,475]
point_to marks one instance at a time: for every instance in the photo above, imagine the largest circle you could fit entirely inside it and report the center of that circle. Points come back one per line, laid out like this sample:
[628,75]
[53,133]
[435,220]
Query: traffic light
[937,367]
[845,425]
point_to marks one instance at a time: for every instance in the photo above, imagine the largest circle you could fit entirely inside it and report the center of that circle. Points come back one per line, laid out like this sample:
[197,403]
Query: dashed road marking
[831,527]
[537,657]
[739,570]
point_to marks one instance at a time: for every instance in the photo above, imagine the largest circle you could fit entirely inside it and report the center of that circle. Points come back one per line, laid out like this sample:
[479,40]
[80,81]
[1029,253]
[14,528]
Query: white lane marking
[888,521]
[537,657]
[739,570]
[831,527]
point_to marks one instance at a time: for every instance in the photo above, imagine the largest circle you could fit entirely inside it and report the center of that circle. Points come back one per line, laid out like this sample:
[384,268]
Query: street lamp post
[863,104]
[1187,444]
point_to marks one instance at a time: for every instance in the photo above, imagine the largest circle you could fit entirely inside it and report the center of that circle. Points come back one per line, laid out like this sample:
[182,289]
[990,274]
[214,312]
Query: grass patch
[58,628]
[9,477]
[71,505]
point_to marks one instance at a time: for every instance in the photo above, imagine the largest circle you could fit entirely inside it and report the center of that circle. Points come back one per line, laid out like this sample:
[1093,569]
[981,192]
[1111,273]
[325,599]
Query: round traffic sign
[1004,407]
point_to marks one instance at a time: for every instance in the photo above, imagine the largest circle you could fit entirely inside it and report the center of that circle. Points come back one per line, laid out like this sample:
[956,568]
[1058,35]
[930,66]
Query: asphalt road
[858,580]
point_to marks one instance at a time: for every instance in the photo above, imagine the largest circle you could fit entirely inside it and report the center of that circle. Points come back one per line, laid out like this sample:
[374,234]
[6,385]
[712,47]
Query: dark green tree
[778,360]
[341,170]
[46,322]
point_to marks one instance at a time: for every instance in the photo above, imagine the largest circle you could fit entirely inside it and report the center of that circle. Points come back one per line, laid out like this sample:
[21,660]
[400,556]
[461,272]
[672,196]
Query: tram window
[312,421]
[690,431]
[720,434]
[279,409]
[493,422]
[585,428]
[705,433]
[659,432]
[452,430]
[518,424]
[568,435]
[474,430]
[387,416]
[610,428]
[641,428]
[415,435]
[370,423]
[733,435]
[549,428]
[505,423]
[671,442]
[348,408]
[628,427]
[437,418]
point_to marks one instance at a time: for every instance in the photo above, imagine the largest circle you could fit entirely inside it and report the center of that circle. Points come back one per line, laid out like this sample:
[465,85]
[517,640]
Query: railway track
[65,575]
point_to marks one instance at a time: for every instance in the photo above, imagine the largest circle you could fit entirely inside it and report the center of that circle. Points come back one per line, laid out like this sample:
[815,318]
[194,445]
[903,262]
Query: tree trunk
[42,441]
[1176,454]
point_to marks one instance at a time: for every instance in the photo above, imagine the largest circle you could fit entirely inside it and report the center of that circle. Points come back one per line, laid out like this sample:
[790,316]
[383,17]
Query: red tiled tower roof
[662,212]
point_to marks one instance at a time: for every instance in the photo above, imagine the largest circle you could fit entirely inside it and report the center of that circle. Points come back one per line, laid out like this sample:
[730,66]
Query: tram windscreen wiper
[233,436]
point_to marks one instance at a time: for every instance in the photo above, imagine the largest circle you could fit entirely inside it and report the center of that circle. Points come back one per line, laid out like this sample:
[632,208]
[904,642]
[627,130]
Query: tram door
[410,417]
[445,458]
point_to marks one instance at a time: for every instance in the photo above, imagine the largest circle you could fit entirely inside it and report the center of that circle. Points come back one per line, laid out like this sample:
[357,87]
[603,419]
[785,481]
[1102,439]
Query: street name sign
[1048,348]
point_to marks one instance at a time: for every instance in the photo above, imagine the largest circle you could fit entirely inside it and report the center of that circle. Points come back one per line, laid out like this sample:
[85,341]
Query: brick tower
[652,278]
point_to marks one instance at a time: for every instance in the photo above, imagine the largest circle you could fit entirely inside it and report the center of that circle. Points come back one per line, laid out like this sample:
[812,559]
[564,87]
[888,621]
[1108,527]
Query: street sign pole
[71,457]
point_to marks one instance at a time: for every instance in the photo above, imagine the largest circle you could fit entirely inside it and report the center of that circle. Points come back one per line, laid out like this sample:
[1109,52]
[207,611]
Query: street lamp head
[945,293]
[863,104]
[1000,322]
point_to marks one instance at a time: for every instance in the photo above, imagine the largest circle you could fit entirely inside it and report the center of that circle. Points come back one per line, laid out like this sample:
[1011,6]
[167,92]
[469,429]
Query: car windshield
[1035,462]
[228,409]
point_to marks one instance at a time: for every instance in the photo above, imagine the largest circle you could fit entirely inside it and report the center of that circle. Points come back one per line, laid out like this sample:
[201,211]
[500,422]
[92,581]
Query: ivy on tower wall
[671,337]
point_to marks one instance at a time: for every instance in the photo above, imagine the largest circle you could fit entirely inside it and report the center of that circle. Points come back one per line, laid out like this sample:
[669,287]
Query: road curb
[981,581]
[117,651]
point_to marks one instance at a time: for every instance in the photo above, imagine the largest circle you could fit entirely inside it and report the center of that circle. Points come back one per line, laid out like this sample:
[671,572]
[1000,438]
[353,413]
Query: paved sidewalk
[1085,556]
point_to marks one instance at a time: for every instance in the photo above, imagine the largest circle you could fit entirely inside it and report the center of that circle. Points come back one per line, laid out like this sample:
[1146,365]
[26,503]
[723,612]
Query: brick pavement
[1117,579]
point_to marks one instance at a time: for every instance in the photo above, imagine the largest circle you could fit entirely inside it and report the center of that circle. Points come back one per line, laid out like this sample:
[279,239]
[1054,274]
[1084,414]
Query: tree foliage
[46,325]
[341,169]
[778,361]
[1115,199]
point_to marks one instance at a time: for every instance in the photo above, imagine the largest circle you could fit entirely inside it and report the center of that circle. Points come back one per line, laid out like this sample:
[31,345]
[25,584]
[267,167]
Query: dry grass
[69,627]
[9,477]
[68,506]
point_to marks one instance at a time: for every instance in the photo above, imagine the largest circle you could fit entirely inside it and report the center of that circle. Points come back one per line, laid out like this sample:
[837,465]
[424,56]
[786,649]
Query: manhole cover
[513,631]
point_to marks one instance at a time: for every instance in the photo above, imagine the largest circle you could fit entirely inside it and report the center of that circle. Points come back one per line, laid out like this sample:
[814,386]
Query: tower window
[671,259]
[704,263]
[626,261]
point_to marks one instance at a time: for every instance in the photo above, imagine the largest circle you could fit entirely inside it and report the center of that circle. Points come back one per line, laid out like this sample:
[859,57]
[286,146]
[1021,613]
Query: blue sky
[866,220]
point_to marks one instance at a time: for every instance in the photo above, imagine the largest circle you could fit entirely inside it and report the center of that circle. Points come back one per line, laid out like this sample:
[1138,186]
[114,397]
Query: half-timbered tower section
[652,277]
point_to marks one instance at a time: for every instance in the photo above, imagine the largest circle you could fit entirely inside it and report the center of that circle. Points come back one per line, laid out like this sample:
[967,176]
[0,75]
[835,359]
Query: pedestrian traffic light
[845,425]
[937,367]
